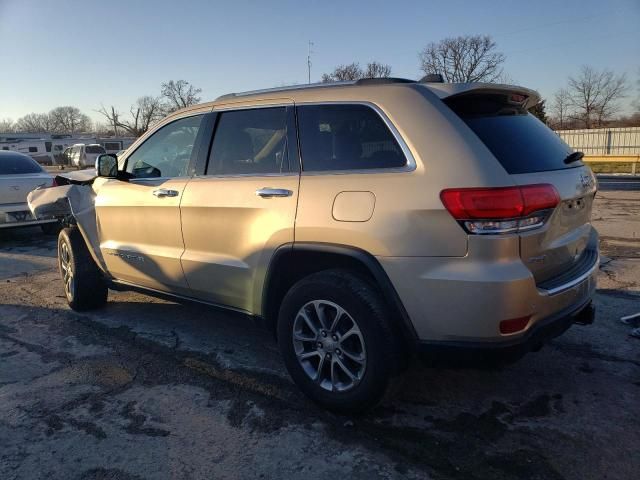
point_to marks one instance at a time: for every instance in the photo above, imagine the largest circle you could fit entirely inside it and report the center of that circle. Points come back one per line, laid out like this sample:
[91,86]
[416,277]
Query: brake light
[501,209]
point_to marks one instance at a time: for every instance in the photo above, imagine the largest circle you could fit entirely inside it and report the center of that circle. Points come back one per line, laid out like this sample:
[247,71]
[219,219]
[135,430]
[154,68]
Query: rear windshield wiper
[573,157]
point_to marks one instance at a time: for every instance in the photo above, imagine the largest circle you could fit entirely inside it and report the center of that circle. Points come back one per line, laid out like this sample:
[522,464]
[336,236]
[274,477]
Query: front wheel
[337,342]
[84,285]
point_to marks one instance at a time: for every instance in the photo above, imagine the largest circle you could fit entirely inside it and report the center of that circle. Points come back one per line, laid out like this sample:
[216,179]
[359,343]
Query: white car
[19,174]
[83,156]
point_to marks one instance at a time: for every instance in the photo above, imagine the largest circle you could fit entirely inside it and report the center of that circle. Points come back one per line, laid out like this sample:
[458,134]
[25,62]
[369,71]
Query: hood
[77,177]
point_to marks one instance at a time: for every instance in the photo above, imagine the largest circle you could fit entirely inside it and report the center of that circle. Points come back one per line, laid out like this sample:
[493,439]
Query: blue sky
[84,53]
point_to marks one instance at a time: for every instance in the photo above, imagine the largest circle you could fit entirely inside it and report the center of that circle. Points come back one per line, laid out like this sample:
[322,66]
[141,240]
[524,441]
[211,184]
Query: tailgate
[562,242]
[533,154]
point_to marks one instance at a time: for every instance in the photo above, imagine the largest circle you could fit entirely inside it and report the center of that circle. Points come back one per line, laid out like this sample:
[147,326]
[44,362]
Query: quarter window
[250,142]
[346,137]
[167,152]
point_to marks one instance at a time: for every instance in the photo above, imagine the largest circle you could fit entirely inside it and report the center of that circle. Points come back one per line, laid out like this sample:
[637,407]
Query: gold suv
[362,221]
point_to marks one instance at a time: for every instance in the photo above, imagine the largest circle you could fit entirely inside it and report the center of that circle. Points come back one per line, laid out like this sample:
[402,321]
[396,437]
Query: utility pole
[309,62]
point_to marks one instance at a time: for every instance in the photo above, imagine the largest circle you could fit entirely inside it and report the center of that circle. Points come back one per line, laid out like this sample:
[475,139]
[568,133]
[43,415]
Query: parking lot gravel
[149,389]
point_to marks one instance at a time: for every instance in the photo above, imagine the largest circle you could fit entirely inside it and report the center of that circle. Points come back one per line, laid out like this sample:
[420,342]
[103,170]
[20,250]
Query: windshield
[15,164]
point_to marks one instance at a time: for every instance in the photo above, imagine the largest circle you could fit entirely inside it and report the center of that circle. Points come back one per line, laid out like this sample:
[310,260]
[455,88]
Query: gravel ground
[148,389]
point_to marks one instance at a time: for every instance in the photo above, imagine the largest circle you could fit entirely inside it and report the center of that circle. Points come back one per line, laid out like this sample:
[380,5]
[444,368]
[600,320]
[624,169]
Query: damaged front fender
[73,204]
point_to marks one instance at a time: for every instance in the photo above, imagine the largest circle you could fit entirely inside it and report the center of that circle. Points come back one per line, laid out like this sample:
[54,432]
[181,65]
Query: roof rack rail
[362,81]
[285,89]
[383,81]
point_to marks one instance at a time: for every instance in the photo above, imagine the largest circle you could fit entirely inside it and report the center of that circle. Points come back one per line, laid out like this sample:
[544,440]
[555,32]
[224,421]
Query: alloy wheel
[66,267]
[329,345]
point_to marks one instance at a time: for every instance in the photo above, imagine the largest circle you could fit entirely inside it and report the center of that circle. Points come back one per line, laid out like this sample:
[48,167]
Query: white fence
[604,141]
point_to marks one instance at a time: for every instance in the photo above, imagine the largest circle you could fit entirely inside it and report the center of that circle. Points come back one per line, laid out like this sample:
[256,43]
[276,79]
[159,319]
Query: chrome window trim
[410,166]
[251,175]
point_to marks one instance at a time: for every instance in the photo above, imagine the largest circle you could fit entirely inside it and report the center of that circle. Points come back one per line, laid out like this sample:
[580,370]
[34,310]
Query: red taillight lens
[468,203]
[54,183]
[500,209]
[539,197]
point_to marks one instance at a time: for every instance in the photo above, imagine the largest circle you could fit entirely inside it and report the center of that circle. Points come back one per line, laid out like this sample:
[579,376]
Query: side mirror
[107,165]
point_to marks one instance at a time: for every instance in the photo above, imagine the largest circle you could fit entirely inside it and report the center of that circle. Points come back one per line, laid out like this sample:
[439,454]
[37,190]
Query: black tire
[51,228]
[87,288]
[364,307]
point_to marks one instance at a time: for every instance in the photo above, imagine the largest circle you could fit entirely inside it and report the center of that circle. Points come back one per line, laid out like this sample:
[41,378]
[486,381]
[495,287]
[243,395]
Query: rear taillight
[501,209]
[54,183]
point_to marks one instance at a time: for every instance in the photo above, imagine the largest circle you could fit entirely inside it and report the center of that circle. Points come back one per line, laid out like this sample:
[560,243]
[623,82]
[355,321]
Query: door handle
[273,192]
[165,192]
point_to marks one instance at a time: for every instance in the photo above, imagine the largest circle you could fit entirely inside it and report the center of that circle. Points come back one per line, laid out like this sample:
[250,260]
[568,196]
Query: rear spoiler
[450,90]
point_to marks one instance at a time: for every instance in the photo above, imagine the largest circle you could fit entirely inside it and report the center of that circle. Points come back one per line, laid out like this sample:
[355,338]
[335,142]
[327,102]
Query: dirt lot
[146,389]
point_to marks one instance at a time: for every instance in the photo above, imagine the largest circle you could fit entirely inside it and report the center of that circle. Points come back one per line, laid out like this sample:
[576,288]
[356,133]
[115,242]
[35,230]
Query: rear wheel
[336,341]
[84,285]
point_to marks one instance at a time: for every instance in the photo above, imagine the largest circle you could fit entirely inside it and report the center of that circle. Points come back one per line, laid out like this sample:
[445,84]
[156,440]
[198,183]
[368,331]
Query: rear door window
[518,140]
[346,137]
[13,164]
[250,142]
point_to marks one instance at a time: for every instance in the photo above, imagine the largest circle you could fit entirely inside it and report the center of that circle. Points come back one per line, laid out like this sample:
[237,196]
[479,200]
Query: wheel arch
[293,261]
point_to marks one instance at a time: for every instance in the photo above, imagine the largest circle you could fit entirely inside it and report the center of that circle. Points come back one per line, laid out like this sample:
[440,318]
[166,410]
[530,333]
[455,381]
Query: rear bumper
[453,300]
[487,353]
[18,215]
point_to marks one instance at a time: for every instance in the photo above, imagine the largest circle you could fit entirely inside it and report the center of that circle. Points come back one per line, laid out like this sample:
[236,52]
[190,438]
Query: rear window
[346,137]
[520,142]
[12,164]
[94,149]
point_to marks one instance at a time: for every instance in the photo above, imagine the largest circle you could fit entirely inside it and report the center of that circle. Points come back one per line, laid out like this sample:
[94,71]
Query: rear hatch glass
[518,140]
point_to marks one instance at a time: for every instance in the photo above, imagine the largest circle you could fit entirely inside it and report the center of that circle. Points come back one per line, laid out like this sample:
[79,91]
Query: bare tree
[594,95]
[35,123]
[179,94]
[103,129]
[561,102]
[377,70]
[69,120]
[353,71]
[341,73]
[112,116]
[146,111]
[472,58]
[7,125]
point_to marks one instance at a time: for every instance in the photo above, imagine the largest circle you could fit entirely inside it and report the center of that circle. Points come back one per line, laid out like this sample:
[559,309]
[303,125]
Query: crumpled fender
[73,200]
